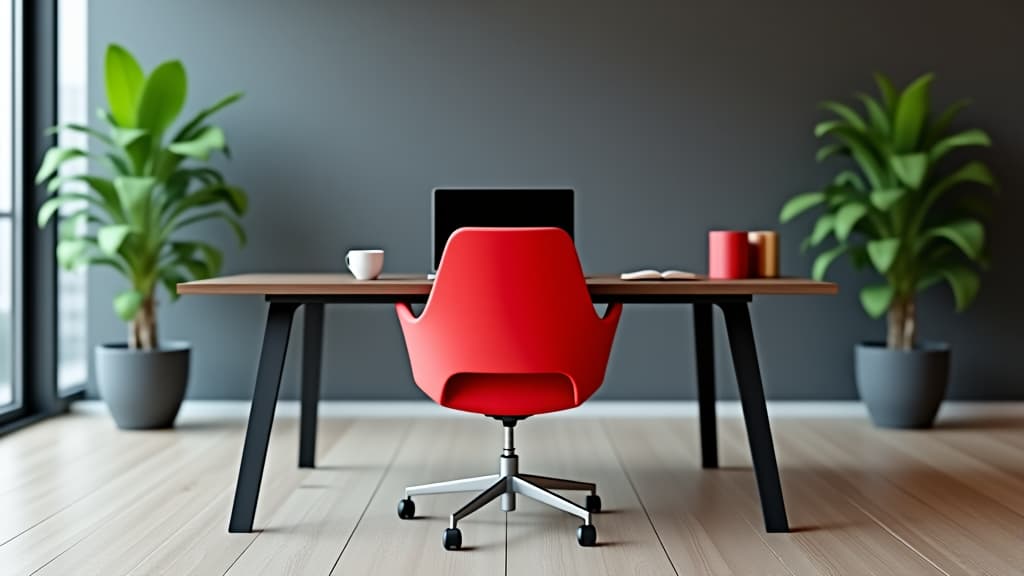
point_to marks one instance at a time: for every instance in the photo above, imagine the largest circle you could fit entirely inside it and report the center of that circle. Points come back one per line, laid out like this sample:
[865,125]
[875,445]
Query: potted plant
[133,218]
[909,209]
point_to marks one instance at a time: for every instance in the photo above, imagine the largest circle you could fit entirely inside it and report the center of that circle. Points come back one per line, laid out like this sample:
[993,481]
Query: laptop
[454,208]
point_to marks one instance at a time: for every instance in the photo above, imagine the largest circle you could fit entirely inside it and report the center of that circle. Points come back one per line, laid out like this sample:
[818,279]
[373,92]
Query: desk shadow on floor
[193,425]
[1008,423]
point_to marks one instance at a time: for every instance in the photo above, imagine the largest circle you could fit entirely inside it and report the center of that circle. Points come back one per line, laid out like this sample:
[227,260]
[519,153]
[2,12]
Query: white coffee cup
[365,264]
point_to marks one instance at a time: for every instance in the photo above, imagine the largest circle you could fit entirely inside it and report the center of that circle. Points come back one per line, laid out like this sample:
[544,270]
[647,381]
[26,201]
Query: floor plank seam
[632,485]
[256,534]
[380,481]
[896,536]
[210,445]
[73,502]
[228,491]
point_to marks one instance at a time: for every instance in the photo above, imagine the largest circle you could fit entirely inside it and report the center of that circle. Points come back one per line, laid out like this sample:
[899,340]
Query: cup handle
[347,263]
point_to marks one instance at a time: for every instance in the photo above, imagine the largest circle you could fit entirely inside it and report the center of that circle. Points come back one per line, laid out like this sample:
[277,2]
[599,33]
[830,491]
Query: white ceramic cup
[365,264]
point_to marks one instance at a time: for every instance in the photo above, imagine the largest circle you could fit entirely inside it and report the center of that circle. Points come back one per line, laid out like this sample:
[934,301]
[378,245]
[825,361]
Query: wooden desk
[286,292]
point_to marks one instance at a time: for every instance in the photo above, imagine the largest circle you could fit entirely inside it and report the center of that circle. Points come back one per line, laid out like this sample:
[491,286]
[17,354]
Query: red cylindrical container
[727,254]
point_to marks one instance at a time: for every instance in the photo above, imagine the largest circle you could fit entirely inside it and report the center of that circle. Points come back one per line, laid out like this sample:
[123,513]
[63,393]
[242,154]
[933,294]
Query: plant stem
[909,323]
[902,323]
[143,332]
[894,336]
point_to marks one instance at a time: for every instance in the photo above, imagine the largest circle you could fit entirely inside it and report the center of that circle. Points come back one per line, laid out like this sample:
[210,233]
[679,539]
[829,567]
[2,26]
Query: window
[9,394]
[72,107]
[28,280]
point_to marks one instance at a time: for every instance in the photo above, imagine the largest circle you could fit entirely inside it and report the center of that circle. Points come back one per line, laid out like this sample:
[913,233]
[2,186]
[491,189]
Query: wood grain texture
[434,451]
[419,285]
[542,541]
[861,500]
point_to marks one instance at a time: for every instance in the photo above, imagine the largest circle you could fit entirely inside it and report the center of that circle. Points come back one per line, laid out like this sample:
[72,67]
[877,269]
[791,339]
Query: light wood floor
[79,497]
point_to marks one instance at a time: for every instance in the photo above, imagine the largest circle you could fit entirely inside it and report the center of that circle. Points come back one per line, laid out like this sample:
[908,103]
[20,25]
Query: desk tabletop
[419,285]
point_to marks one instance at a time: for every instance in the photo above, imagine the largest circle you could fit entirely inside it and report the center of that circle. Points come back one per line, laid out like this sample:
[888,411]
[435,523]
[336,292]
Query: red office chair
[509,331]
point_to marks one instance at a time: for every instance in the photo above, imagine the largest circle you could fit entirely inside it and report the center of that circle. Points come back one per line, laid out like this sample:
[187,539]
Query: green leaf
[968,235]
[184,251]
[198,269]
[878,118]
[124,80]
[830,150]
[117,164]
[822,228]
[163,97]
[965,284]
[75,225]
[135,195]
[235,225]
[214,258]
[188,131]
[53,159]
[70,252]
[82,128]
[975,172]
[824,260]
[234,197]
[127,303]
[849,178]
[886,89]
[885,198]
[839,195]
[966,138]
[876,299]
[883,253]
[110,238]
[911,113]
[863,150]
[823,128]
[103,187]
[209,139]
[847,217]
[170,278]
[846,113]
[50,207]
[800,204]
[125,137]
[859,257]
[910,169]
[941,124]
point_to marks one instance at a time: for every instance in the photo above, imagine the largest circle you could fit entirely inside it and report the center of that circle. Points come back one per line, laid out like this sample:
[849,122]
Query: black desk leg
[312,348]
[261,415]
[704,346]
[755,415]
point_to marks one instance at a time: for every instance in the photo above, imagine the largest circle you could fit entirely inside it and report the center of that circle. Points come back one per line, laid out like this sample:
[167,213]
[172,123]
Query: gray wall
[669,118]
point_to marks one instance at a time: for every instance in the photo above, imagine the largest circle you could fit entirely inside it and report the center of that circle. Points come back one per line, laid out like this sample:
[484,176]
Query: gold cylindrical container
[764,253]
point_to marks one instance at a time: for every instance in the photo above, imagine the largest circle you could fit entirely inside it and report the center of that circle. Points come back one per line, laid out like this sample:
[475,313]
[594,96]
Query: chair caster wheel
[406,509]
[452,539]
[586,535]
[593,503]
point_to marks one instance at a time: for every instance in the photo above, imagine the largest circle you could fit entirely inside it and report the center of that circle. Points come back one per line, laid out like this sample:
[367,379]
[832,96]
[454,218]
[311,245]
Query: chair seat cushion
[509,394]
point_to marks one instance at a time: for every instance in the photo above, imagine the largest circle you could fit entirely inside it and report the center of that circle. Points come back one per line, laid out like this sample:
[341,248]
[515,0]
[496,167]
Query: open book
[656,275]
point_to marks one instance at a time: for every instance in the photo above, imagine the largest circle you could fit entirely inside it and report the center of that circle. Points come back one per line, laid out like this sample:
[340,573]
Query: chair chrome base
[506,484]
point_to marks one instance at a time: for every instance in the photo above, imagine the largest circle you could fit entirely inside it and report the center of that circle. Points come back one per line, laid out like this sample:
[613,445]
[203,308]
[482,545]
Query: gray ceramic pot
[143,389]
[902,388]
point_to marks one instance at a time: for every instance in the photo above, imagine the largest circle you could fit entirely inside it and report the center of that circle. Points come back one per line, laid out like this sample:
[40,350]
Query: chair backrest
[509,301]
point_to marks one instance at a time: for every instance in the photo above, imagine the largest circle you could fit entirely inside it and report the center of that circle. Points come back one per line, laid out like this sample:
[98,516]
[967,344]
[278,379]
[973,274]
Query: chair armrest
[405,315]
[612,314]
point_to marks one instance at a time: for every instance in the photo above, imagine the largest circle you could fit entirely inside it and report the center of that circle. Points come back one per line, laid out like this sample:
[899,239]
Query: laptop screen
[455,208]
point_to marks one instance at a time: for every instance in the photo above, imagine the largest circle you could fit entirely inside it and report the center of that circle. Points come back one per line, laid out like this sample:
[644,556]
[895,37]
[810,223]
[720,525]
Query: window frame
[35,105]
